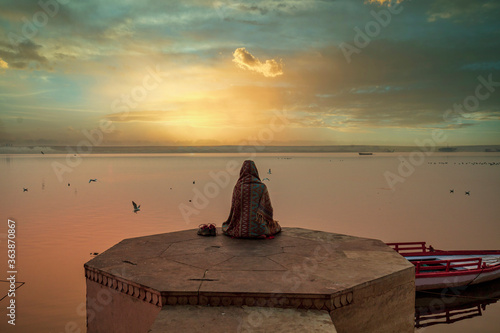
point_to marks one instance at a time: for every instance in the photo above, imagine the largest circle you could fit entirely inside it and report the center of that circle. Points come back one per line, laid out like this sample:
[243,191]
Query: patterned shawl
[251,213]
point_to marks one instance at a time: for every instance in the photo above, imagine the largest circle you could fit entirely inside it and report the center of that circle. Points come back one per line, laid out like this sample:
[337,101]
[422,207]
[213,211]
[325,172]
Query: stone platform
[176,280]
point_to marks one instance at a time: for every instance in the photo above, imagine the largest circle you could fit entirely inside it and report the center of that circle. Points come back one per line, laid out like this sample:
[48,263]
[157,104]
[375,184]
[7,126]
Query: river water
[62,218]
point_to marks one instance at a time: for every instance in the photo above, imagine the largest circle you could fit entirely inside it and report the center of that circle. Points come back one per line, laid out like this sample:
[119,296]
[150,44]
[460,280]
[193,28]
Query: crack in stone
[201,281]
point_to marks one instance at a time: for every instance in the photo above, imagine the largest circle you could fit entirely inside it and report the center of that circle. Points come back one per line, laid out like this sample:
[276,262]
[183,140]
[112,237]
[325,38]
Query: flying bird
[266,179]
[269,172]
[136,207]
[467,192]
[452,191]
[25,189]
[92,180]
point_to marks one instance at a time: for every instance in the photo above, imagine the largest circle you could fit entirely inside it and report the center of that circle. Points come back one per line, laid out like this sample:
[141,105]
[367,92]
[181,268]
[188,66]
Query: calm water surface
[59,223]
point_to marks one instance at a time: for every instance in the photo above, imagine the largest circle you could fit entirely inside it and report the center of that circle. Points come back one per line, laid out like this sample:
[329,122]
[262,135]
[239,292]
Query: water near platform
[61,220]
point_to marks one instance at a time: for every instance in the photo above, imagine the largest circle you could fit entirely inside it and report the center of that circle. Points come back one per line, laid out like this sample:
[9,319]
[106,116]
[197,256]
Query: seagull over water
[92,180]
[136,207]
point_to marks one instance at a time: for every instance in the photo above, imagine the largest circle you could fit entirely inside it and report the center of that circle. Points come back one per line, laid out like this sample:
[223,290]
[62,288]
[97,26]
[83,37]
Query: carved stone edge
[327,302]
[147,295]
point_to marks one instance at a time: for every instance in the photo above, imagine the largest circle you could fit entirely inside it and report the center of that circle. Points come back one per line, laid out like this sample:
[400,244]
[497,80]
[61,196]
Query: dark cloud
[459,126]
[253,9]
[464,11]
[394,83]
[20,55]
[252,22]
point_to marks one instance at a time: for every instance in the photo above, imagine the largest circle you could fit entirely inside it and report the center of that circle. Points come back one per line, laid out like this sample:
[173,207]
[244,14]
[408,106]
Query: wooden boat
[436,269]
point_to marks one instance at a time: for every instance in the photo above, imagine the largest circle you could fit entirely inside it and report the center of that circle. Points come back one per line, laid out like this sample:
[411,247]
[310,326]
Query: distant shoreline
[7,149]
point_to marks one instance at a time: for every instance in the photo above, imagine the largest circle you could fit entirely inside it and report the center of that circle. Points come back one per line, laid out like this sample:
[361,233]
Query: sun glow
[179,72]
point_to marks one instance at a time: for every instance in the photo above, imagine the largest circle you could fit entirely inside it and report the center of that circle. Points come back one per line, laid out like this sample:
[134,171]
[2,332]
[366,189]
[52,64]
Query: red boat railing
[446,265]
[408,247]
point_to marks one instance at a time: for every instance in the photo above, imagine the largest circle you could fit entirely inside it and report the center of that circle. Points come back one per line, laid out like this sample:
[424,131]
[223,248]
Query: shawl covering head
[251,214]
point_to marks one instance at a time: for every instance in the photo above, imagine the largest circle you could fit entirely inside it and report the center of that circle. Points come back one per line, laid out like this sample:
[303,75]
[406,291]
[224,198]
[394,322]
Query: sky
[298,72]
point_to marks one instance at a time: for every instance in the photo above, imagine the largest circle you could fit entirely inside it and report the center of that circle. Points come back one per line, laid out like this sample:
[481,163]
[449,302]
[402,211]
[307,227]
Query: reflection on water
[60,225]
[451,305]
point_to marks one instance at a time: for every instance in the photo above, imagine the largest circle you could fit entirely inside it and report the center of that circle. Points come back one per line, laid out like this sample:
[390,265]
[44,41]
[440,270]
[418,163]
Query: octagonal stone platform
[301,276]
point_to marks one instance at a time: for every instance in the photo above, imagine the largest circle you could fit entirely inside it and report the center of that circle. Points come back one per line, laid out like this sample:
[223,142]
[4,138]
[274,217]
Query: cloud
[384,2]
[407,76]
[461,125]
[20,55]
[253,9]
[463,11]
[245,60]
[3,64]
[141,116]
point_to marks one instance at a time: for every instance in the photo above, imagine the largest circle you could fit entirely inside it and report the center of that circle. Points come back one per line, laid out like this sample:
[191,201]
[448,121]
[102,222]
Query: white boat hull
[437,269]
